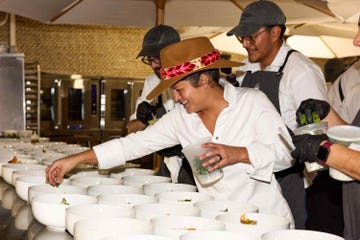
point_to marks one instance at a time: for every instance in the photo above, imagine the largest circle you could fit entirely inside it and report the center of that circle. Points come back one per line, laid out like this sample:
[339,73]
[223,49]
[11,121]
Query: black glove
[307,147]
[145,112]
[308,108]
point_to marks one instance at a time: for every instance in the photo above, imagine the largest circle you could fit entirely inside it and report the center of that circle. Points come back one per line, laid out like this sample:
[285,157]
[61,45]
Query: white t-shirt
[250,120]
[350,84]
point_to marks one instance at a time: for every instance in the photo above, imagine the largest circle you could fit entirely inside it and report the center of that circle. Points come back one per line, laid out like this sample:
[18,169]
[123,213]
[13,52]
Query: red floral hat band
[189,66]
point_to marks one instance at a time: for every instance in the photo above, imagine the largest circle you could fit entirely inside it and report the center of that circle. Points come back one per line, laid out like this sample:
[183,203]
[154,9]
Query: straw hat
[186,57]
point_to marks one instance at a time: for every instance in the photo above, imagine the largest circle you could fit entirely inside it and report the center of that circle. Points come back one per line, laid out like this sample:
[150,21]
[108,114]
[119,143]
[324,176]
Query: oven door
[115,107]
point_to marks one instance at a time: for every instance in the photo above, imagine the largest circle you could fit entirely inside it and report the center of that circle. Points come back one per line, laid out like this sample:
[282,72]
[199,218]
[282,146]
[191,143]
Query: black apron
[291,179]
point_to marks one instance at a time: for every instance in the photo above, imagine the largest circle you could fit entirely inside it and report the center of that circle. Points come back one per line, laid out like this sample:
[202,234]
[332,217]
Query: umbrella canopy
[151,12]
[324,46]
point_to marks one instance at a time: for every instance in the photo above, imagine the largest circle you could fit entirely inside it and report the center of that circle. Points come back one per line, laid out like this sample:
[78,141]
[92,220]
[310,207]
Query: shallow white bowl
[21,173]
[152,188]
[87,181]
[140,180]
[132,172]
[96,190]
[213,208]
[94,211]
[174,226]
[148,211]
[9,168]
[49,210]
[188,198]
[49,189]
[299,235]
[218,235]
[93,173]
[265,223]
[22,185]
[91,229]
[125,199]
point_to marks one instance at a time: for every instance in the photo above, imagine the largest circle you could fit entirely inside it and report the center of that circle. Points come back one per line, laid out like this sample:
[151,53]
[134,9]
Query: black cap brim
[244,30]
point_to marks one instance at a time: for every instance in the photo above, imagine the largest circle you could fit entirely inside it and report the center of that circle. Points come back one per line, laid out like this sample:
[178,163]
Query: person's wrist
[323,152]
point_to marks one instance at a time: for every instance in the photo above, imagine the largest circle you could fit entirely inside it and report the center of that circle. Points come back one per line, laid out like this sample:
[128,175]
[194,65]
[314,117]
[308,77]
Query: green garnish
[185,200]
[225,210]
[64,202]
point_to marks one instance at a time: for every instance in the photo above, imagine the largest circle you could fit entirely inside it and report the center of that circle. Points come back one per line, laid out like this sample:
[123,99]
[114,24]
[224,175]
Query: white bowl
[188,198]
[174,226]
[148,211]
[22,185]
[218,235]
[125,199]
[264,223]
[132,172]
[213,208]
[299,235]
[21,173]
[136,237]
[140,180]
[49,189]
[49,209]
[96,190]
[24,217]
[9,168]
[152,188]
[91,229]
[93,173]
[87,181]
[94,211]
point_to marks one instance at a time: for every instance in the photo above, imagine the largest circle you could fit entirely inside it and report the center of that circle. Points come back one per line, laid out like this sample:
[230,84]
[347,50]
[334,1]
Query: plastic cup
[192,153]
[344,135]
[313,129]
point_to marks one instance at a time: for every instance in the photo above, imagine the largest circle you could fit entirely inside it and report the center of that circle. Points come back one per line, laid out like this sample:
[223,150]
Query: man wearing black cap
[147,112]
[287,77]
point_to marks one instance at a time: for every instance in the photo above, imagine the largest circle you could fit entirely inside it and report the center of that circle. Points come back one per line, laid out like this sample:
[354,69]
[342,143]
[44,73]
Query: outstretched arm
[56,171]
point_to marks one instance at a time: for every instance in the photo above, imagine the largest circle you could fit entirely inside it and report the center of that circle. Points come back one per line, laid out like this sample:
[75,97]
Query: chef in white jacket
[243,125]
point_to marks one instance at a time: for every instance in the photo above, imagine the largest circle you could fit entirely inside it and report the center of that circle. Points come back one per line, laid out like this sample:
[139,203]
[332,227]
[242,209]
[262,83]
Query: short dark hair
[213,73]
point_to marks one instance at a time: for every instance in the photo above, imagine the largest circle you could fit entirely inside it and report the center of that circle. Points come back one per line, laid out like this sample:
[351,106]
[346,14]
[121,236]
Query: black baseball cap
[256,15]
[156,39]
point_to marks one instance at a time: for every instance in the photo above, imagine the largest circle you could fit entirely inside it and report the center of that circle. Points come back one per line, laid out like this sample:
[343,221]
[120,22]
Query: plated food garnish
[64,201]
[14,160]
[184,200]
[248,221]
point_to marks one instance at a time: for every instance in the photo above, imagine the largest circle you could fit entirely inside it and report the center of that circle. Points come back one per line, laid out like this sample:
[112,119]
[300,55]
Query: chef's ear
[204,80]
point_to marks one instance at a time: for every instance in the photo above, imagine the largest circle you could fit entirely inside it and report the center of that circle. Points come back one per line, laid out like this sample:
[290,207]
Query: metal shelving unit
[32,96]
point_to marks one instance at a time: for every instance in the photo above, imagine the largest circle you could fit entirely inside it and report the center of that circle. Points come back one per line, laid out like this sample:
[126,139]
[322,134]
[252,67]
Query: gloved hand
[307,147]
[311,111]
[145,112]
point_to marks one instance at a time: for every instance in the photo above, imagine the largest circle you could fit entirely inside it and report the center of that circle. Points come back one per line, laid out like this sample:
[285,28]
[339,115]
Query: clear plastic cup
[192,153]
[344,135]
[313,129]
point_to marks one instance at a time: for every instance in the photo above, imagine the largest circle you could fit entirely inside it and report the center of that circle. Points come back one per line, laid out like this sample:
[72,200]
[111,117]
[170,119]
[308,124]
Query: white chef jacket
[350,84]
[149,84]
[302,79]
[250,120]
